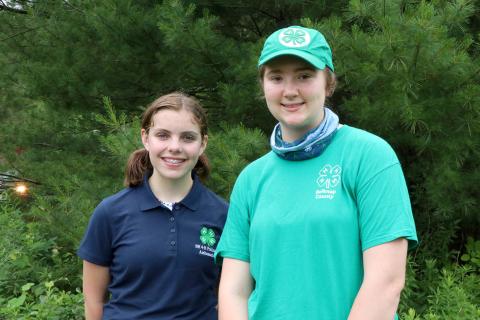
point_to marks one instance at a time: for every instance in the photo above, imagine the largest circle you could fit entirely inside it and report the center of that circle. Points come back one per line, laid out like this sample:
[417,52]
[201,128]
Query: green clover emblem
[207,236]
[297,37]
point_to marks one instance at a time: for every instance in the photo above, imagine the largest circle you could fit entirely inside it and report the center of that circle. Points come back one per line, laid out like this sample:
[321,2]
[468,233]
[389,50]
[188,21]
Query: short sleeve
[96,245]
[234,242]
[385,212]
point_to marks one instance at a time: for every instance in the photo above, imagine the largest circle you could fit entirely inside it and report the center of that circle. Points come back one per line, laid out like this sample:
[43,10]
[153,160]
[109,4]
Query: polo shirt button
[172,219]
[172,230]
[172,243]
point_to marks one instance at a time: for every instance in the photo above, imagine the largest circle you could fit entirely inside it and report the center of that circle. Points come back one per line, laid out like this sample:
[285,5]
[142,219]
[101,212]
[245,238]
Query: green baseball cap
[305,43]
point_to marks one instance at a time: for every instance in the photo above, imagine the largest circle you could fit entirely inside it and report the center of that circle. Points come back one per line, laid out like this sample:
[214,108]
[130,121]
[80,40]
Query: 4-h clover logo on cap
[294,38]
[329,176]
[207,236]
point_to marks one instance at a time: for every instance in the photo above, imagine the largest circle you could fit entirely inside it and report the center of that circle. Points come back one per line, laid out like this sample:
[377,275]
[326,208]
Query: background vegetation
[75,75]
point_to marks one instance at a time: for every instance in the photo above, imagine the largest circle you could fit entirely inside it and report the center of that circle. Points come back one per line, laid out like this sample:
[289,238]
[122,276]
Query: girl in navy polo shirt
[148,250]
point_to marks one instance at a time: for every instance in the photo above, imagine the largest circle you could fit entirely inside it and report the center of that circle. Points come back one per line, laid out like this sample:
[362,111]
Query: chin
[296,125]
[173,176]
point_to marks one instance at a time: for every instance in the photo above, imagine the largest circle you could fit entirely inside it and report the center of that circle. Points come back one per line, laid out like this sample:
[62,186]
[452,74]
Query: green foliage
[122,137]
[30,255]
[407,70]
[440,293]
[40,232]
[63,154]
[20,250]
[472,255]
[227,161]
[221,74]
[43,302]
[453,298]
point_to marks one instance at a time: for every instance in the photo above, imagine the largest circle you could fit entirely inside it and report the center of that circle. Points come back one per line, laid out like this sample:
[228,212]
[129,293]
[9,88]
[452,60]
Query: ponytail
[138,163]
[202,168]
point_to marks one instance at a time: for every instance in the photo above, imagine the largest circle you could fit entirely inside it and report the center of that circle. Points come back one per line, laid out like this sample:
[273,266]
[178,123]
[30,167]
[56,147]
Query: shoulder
[212,203]
[252,178]
[213,198]
[258,166]
[124,198]
[365,144]
[356,135]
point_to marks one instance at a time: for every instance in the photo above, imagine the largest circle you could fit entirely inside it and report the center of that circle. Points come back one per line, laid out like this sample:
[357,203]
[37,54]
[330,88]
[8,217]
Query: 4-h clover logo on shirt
[207,236]
[329,176]
[294,38]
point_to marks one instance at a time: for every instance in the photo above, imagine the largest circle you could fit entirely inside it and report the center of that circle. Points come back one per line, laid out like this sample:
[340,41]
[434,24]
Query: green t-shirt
[302,225]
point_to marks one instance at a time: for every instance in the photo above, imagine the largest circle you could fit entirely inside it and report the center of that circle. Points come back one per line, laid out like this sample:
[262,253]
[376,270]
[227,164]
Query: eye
[305,76]
[275,78]
[189,137]
[162,135]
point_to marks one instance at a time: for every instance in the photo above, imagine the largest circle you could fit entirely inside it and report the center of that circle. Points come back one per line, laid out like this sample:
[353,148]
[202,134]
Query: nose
[174,146]
[290,90]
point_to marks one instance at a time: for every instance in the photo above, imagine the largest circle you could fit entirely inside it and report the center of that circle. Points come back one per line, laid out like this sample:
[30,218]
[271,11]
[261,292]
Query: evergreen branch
[13,178]
[127,98]
[4,7]
[268,15]
[73,7]
[257,28]
[47,145]
[19,33]
[415,57]
[12,165]
[469,79]
[209,59]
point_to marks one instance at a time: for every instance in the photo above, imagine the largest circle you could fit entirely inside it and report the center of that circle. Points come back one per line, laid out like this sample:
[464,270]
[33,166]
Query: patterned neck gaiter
[312,144]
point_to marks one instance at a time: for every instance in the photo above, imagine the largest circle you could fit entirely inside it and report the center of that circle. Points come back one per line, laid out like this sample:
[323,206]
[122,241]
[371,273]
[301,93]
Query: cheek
[194,150]
[321,96]
[270,91]
[156,146]
[316,92]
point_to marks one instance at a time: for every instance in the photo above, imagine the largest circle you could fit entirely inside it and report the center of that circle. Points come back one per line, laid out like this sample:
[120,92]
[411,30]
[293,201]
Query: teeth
[173,160]
[293,104]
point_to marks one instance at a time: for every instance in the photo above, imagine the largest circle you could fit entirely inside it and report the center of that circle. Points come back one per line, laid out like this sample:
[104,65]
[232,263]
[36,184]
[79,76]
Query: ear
[330,82]
[204,144]
[144,134]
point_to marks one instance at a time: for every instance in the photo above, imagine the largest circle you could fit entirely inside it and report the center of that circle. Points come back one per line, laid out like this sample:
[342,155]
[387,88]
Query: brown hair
[139,162]
[331,79]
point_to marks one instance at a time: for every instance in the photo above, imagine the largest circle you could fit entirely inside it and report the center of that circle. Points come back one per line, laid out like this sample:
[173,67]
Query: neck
[290,135]
[168,190]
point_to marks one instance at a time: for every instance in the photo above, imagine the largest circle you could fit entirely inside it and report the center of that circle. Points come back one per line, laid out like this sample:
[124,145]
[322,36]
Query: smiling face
[174,143]
[295,94]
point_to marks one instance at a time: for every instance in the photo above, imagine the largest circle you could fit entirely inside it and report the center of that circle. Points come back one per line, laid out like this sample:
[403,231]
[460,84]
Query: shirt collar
[148,200]
[193,197]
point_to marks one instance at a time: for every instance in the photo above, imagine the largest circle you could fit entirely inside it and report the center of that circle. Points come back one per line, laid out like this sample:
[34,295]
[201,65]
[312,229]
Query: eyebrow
[165,130]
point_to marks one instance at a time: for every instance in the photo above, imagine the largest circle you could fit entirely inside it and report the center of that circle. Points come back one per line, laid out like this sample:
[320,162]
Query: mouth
[173,161]
[291,107]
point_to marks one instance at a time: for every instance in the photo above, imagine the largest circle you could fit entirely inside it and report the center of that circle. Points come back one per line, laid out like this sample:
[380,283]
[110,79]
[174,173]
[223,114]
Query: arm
[384,278]
[95,282]
[236,285]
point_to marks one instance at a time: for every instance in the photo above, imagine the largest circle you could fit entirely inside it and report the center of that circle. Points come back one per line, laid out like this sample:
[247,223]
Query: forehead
[175,120]
[288,62]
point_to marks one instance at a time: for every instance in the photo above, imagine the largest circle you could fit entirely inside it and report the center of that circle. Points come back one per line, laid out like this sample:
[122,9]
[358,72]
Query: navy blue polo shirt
[160,261]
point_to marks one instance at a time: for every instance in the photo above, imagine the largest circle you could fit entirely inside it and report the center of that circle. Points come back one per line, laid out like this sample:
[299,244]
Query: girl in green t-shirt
[318,228]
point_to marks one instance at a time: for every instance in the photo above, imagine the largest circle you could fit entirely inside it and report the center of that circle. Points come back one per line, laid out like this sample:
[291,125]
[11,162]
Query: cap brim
[313,60]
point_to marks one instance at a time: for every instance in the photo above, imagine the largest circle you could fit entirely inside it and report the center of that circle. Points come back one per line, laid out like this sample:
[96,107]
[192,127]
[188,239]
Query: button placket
[172,243]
